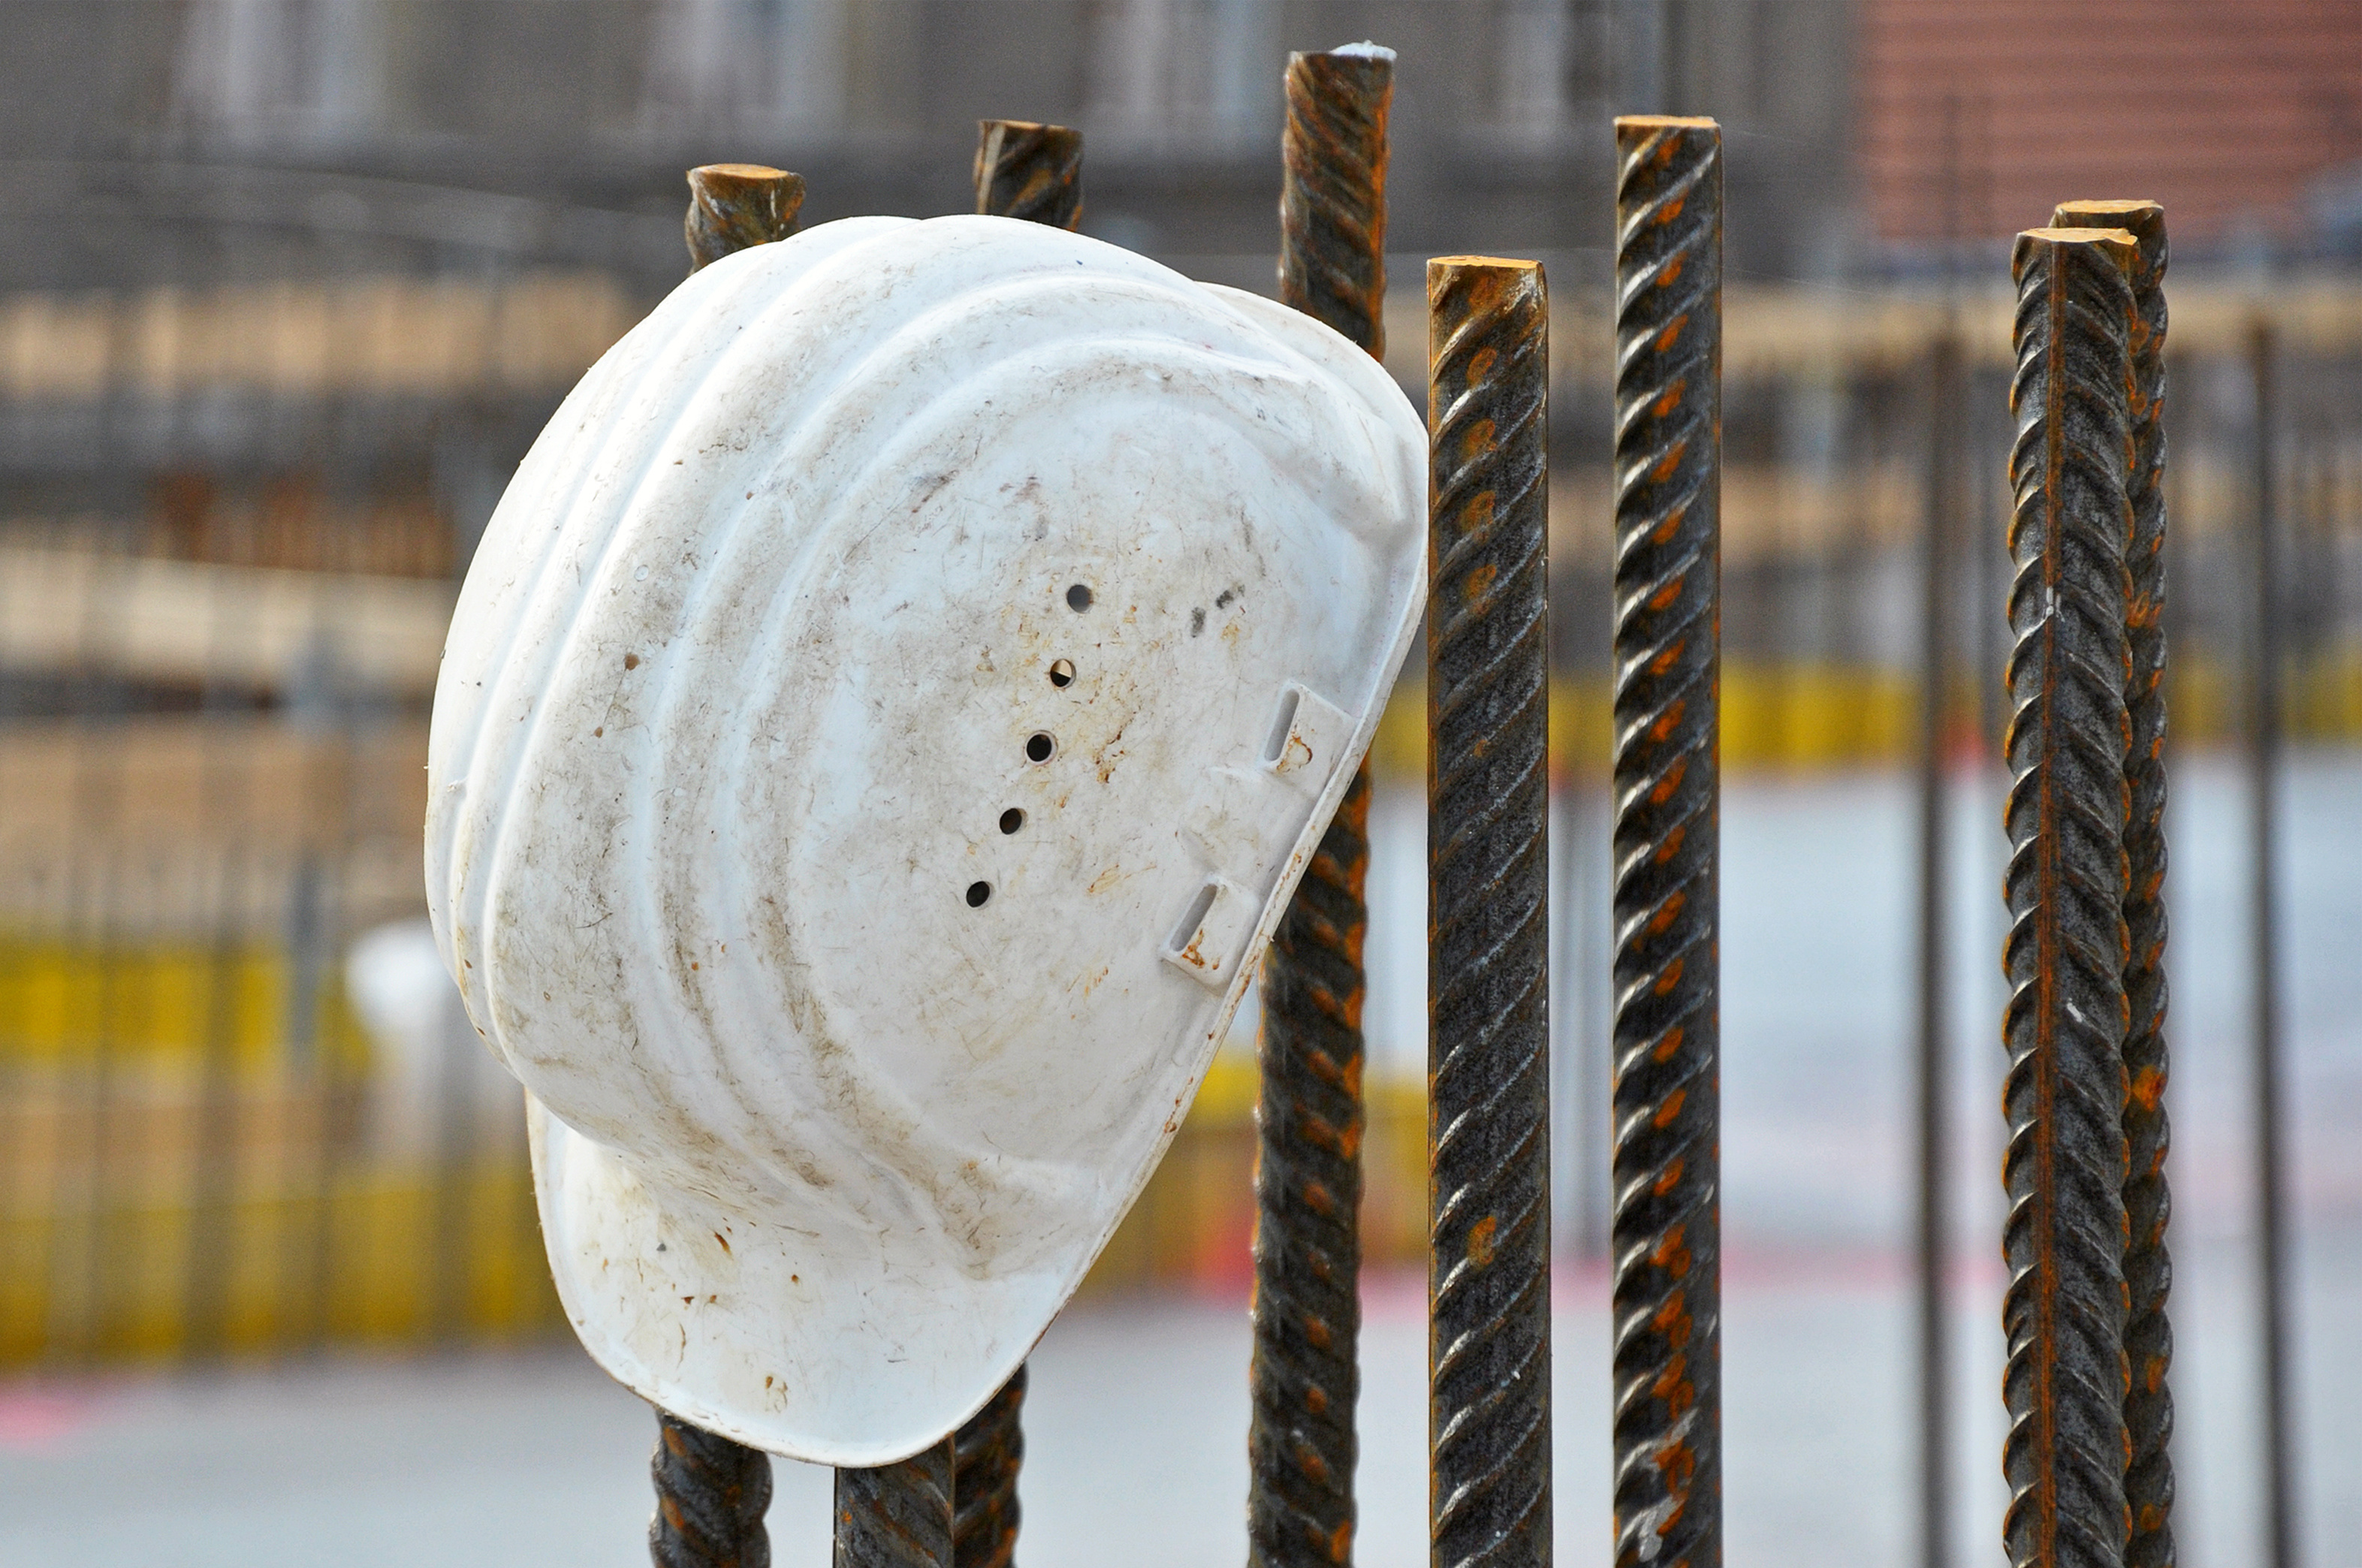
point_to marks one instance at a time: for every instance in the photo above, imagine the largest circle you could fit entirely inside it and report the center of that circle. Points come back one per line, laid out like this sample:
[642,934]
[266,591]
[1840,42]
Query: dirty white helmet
[883,722]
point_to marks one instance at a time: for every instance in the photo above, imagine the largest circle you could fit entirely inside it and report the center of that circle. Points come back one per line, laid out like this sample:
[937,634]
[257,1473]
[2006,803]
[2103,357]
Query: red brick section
[1978,116]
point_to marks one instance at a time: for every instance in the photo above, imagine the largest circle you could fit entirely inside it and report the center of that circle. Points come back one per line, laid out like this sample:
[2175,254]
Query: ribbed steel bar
[734,206]
[1933,1107]
[1030,171]
[2063,1311]
[2263,761]
[710,1498]
[898,1516]
[2148,1201]
[1305,1381]
[1489,919]
[1666,1230]
[711,1492]
[987,1454]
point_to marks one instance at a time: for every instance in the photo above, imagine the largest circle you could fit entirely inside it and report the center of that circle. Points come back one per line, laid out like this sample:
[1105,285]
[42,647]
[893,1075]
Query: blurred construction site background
[288,286]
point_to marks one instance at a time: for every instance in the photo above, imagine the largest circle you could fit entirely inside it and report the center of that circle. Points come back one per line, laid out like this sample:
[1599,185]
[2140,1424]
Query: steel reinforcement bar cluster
[1304,1379]
[1489,919]
[2149,1267]
[1666,1234]
[2067,1375]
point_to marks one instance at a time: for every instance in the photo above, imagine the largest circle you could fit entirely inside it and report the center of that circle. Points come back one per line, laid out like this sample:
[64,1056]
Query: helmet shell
[881,724]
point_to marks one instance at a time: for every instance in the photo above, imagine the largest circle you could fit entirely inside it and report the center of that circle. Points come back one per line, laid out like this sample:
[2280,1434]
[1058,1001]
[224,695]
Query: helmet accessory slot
[979,894]
[1211,932]
[1062,673]
[1041,746]
[1078,598]
[1011,819]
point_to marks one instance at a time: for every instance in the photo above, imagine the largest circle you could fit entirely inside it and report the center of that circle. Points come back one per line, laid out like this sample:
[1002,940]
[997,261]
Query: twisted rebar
[1028,170]
[711,1497]
[1488,878]
[987,1454]
[2148,1203]
[2063,1313]
[1667,1227]
[897,1515]
[734,206]
[1332,193]
[711,1492]
[1305,1381]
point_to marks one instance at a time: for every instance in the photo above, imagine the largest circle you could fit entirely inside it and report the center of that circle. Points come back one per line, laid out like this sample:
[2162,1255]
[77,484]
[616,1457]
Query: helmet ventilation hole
[977,893]
[1040,747]
[1078,598]
[1011,819]
[1062,674]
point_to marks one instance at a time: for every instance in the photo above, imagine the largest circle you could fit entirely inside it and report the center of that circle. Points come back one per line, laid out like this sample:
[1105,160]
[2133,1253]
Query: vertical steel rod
[2263,759]
[1034,172]
[711,1493]
[1489,914]
[1666,1234]
[2063,1312]
[898,1516]
[734,206]
[1934,1103]
[987,1454]
[2148,1201]
[1305,1381]
[1030,171]
[710,1498]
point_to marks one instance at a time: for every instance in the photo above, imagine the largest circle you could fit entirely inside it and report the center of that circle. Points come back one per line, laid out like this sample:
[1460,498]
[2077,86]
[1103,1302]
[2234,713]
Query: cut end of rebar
[1645,123]
[1366,50]
[734,206]
[2118,243]
[1029,170]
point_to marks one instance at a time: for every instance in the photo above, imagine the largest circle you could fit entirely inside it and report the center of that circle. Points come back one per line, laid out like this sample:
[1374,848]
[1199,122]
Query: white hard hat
[883,720]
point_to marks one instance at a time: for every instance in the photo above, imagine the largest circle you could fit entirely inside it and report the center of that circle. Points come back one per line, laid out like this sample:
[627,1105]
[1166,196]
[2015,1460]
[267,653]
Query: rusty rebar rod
[710,1498]
[1028,170]
[1304,1380]
[2263,782]
[2148,1201]
[711,1493]
[1489,914]
[1666,1230]
[1934,1099]
[2063,1311]
[734,206]
[898,1516]
[987,1454]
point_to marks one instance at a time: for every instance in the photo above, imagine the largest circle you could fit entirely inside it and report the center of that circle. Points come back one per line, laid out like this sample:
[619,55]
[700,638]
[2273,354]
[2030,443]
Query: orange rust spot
[1316,1399]
[1666,597]
[1670,782]
[1669,463]
[1480,1240]
[1316,1330]
[1308,1460]
[1341,1542]
[723,1239]
[1667,722]
[1481,363]
[1671,1109]
[1673,1177]
[1317,1198]
[1670,979]
[1668,1046]
[1479,439]
[1677,1463]
[1671,209]
[2149,1088]
[1480,582]
[1670,525]
[1662,921]
[1672,1256]
[1673,273]
[1666,851]
[1666,339]
[1664,662]
[1672,1320]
